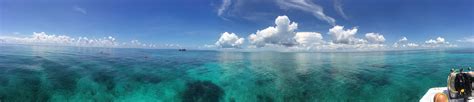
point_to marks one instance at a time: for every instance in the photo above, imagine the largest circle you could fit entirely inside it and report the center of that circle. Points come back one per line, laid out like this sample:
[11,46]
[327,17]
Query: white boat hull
[429,96]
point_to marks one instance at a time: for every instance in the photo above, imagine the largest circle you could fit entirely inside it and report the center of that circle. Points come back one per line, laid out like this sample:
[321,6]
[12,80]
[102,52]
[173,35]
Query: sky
[241,24]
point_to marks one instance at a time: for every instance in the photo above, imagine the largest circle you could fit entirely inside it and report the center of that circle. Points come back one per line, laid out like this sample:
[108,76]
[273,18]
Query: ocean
[60,74]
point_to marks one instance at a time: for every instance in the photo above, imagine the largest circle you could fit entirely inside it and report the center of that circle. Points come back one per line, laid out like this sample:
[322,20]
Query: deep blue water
[39,73]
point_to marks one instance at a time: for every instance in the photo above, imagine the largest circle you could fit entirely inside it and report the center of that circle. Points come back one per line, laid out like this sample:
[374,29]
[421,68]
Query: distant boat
[181,49]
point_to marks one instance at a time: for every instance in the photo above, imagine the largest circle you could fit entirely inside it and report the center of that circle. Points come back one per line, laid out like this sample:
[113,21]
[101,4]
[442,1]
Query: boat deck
[428,97]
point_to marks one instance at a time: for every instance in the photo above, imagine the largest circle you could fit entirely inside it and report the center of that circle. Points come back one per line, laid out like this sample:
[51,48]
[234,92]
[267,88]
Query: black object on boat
[181,49]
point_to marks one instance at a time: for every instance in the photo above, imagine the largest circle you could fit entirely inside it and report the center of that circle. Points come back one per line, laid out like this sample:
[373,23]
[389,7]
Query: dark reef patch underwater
[59,74]
[202,91]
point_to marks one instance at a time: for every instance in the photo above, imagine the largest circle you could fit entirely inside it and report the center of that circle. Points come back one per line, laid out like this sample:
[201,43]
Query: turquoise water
[39,73]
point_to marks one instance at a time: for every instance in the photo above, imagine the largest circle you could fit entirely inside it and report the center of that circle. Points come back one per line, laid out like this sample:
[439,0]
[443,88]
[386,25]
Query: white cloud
[44,38]
[229,40]
[208,46]
[41,38]
[79,9]
[173,46]
[225,4]
[341,36]
[239,8]
[281,34]
[353,47]
[403,43]
[438,40]
[467,39]
[345,39]
[404,39]
[338,8]
[137,44]
[309,38]
[307,6]
[375,38]
[412,45]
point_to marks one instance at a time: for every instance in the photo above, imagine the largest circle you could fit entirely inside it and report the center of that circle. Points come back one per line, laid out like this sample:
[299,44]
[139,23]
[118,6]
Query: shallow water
[39,73]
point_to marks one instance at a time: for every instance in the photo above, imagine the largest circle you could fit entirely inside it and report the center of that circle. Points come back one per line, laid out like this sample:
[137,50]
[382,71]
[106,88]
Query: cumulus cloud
[307,6]
[309,38]
[41,38]
[403,39]
[375,38]
[281,34]
[346,39]
[403,42]
[138,44]
[341,36]
[284,36]
[412,45]
[229,40]
[438,42]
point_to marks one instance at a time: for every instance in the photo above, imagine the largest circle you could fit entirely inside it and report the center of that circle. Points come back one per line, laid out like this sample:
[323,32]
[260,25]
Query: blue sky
[193,23]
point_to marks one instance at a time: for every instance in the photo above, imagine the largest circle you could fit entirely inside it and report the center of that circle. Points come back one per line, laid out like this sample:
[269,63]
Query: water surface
[40,73]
